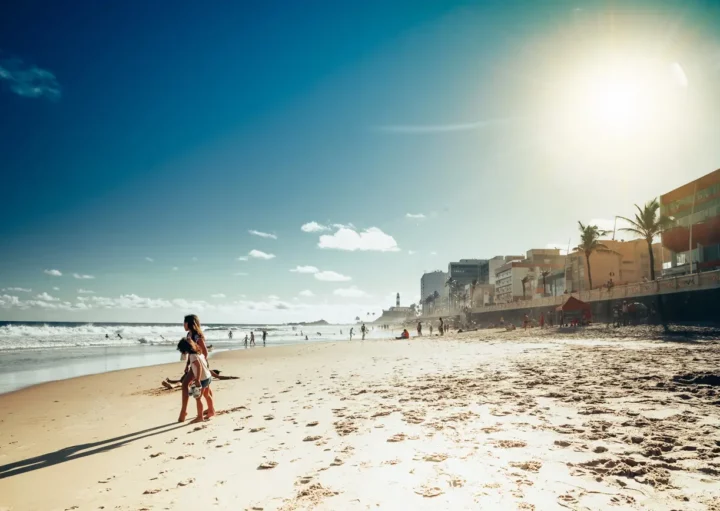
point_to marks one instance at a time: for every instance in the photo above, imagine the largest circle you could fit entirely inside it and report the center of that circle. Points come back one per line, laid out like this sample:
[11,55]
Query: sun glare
[618,98]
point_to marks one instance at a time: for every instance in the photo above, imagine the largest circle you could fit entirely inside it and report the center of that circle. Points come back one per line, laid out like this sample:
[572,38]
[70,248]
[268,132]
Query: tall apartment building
[695,236]
[432,282]
[518,280]
[496,262]
[466,271]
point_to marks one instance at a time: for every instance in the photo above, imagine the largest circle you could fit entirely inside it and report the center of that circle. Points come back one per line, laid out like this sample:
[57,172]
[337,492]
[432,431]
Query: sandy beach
[481,420]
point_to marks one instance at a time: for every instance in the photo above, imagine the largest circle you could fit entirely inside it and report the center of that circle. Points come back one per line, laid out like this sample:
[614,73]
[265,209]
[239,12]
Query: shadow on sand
[81,450]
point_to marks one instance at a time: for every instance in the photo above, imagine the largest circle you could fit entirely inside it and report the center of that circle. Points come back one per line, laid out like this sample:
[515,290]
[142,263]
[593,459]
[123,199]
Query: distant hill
[320,322]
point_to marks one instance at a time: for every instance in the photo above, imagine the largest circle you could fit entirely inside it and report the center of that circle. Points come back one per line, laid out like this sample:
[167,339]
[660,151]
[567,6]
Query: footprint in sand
[186,482]
[436,457]
[155,455]
[255,430]
[397,438]
[312,424]
[530,466]
[429,492]
[312,438]
[337,462]
[269,417]
[151,492]
[267,465]
[509,444]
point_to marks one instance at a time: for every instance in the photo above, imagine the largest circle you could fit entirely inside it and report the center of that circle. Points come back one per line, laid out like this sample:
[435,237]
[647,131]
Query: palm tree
[524,281]
[648,225]
[472,291]
[453,288]
[589,236]
[544,275]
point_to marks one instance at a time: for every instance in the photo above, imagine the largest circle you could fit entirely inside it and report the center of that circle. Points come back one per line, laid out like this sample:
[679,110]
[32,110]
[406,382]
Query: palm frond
[631,222]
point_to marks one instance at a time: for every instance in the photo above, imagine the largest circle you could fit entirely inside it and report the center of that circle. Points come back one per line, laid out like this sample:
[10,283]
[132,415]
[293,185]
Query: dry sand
[482,420]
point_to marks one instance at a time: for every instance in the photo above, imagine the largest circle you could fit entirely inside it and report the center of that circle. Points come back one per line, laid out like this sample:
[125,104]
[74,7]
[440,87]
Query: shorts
[206,383]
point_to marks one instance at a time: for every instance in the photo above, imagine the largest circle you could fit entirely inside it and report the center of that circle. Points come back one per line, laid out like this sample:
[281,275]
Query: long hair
[193,323]
[188,346]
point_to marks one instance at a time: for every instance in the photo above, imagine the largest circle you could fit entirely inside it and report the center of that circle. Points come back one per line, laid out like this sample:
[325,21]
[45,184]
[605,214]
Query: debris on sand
[529,466]
[509,444]
[429,492]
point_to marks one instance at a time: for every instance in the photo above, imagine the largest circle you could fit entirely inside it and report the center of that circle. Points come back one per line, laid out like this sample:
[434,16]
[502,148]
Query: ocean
[32,353]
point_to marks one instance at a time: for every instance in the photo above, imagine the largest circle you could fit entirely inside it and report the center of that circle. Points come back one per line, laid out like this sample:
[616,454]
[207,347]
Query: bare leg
[185,396]
[199,417]
[207,392]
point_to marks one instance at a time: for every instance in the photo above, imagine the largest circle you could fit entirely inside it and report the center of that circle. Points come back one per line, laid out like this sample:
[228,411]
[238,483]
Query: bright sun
[619,97]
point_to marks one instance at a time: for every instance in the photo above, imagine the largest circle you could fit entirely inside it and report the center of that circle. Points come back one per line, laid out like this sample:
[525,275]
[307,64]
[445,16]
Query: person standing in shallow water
[191,324]
[264,336]
[252,338]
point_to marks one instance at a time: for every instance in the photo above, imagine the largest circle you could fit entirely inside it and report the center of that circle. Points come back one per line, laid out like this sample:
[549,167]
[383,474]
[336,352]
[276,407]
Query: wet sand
[481,420]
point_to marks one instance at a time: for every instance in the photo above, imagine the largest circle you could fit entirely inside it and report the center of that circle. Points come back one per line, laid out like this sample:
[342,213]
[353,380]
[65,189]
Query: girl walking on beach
[195,334]
[200,375]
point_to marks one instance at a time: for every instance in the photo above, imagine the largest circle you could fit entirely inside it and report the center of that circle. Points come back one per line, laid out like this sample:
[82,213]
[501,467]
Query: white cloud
[415,216]
[273,297]
[262,234]
[85,292]
[306,293]
[314,227]
[56,288]
[175,268]
[29,81]
[46,297]
[131,301]
[350,292]
[190,305]
[411,252]
[53,273]
[241,274]
[82,277]
[305,269]
[433,253]
[372,239]
[18,289]
[331,276]
[243,258]
[218,295]
[259,254]
[7,301]
[420,129]
[150,259]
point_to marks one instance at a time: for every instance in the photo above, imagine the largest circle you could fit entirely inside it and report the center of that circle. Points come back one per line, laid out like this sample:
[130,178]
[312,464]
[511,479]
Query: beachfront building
[481,295]
[621,262]
[433,282]
[466,271]
[693,243]
[522,280]
[496,262]
[555,282]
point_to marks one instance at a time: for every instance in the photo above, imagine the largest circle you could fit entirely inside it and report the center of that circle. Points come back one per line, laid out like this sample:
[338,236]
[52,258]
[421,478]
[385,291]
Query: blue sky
[132,132]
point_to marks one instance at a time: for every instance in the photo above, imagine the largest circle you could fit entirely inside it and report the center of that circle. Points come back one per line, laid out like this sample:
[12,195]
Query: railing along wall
[704,280]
